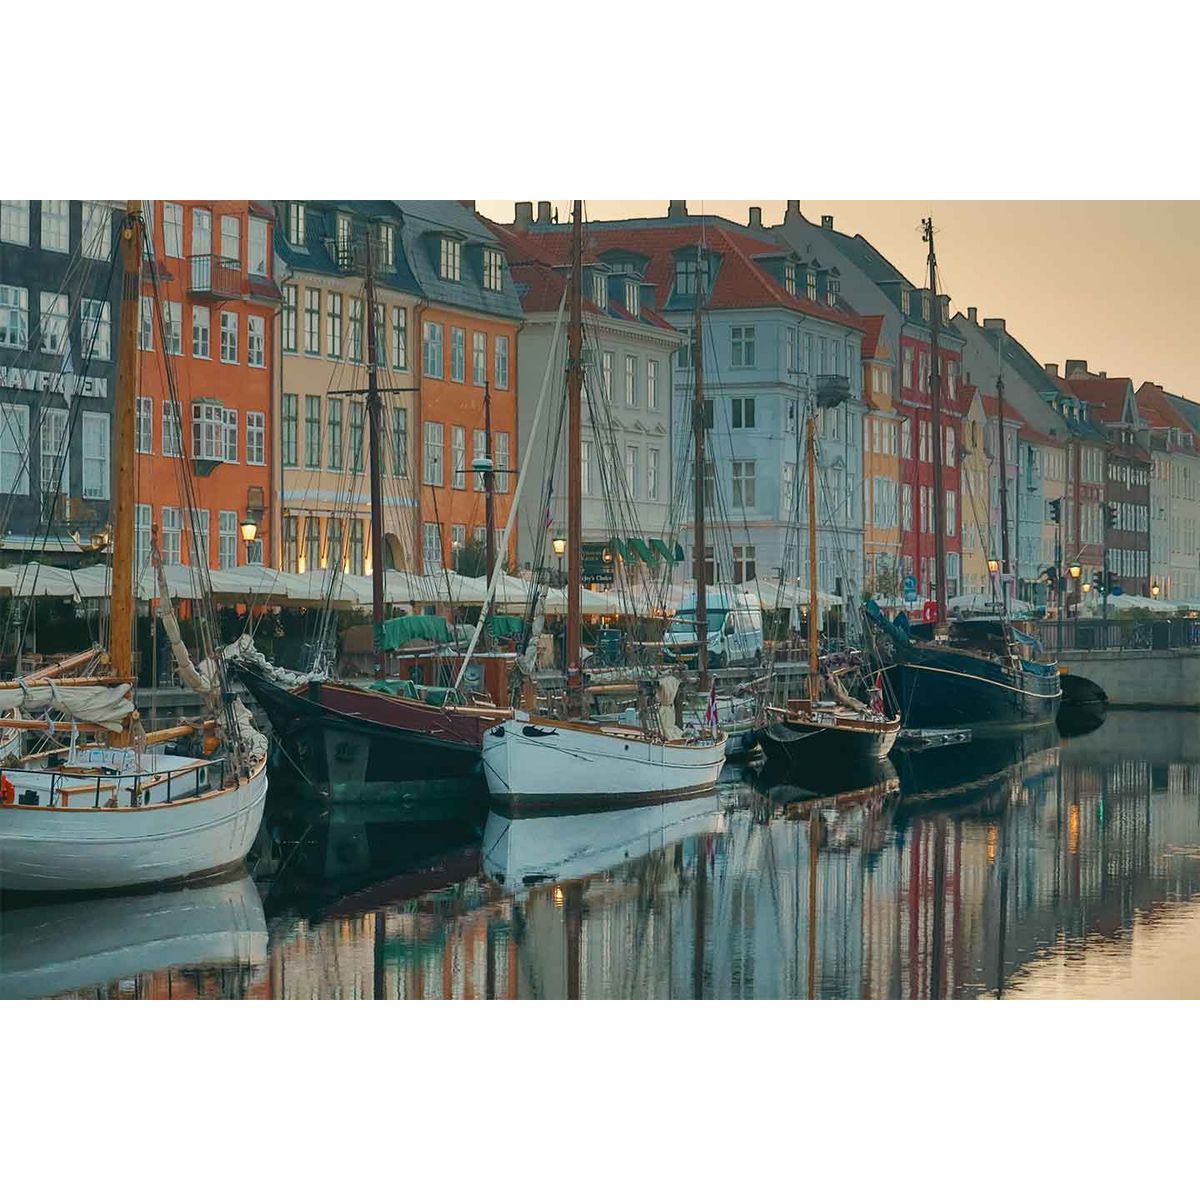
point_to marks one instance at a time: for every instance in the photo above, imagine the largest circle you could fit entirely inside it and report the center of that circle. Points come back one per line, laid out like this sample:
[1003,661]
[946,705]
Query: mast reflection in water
[1038,866]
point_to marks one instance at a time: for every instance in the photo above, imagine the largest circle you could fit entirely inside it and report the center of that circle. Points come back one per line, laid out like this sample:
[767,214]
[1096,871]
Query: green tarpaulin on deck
[395,687]
[503,625]
[399,631]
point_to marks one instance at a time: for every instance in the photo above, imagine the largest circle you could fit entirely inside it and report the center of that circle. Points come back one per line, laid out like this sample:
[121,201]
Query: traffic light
[1110,516]
[1110,581]
[1097,580]
[1056,511]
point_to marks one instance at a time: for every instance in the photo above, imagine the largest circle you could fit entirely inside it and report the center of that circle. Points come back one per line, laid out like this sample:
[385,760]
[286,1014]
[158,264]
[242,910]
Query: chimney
[826,221]
[793,210]
[677,208]
[994,323]
[755,221]
[543,217]
[1051,368]
[1103,374]
[522,214]
[1076,366]
[973,315]
[469,205]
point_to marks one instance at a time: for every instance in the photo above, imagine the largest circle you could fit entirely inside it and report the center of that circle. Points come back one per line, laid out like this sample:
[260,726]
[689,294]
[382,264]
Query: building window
[334,555]
[257,264]
[631,375]
[289,317]
[227,539]
[789,278]
[400,338]
[789,488]
[493,270]
[633,295]
[56,225]
[458,455]
[503,463]
[53,324]
[431,547]
[95,455]
[450,262]
[478,451]
[479,359]
[14,449]
[172,315]
[585,467]
[742,412]
[810,285]
[745,569]
[687,272]
[231,240]
[951,517]
[255,341]
[291,543]
[948,458]
[600,290]
[95,329]
[923,427]
[631,471]
[606,367]
[201,232]
[312,321]
[96,236]
[214,432]
[295,223]
[172,531]
[312,544]
[743,483]
[743,346]
[434,357]
[387,244]
[145,322]
[651,474]
[833,287]
[289,411]
[200,535]
[356,436]
[335,433]
[172,435]
[652,384]
[907,375]
[502,362]
[200,332]
[458,354]
[400,441]
[229,337]
[143,518]
[14,316]
[256,439]
[145,425]
[54,448]
[312,432]
[356,330]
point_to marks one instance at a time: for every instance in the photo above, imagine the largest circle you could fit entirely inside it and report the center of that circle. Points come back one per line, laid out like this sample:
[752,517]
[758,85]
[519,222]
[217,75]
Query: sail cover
[97,704]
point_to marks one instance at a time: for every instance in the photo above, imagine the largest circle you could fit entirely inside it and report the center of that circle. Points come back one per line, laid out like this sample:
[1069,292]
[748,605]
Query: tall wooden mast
[1003,485]
[699,550]
[375,421]
[132,233]
[938,507]
[574,465]
[814,622]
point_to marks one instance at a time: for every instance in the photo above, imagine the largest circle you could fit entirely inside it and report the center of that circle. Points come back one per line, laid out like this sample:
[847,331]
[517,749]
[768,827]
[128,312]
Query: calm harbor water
[1035,867]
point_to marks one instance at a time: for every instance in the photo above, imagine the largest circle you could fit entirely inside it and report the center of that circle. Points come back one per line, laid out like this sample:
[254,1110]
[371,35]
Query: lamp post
[560,548]
[993,565]
[1154,590]
[249,530]
[1076,569]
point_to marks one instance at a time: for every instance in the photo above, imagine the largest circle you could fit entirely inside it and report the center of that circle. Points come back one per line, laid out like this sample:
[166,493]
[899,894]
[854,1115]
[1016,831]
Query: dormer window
[493,270]
[633,297]
[600,290]
[925,309]
[687,272]
[833,287]
[295,223]
[789,278]
[905,300]
[387,244]
[450,261]
[343,229]
[810,285]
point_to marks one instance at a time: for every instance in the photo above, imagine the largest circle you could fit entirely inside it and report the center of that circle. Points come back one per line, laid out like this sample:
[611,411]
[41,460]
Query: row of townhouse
[260,309]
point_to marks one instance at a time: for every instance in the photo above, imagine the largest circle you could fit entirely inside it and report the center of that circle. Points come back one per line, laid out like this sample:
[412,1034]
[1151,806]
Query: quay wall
[1141,678]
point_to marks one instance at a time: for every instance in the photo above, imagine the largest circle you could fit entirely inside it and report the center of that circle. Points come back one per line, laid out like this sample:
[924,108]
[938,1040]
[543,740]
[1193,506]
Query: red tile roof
[741,281]
[872,328]
[1157,410]
[1106,396]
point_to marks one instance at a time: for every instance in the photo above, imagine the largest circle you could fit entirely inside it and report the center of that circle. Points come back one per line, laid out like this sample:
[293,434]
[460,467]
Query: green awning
[643,551]
[619,547]
[399,631]
[661,547]
[678,552]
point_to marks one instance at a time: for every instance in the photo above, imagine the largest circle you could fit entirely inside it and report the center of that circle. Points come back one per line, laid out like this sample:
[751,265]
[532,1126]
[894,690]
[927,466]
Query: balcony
[832,390]
[214,278]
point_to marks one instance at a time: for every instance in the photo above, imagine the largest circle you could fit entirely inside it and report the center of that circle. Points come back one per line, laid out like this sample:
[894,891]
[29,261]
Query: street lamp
[249,530]
[1076,570]
[1154,590]
[560,548]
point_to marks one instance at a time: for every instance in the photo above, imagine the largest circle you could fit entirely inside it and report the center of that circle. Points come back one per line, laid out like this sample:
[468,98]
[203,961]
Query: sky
[1114,282]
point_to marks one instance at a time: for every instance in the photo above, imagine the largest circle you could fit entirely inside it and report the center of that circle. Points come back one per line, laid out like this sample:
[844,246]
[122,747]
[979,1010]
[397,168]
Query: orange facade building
[209,305]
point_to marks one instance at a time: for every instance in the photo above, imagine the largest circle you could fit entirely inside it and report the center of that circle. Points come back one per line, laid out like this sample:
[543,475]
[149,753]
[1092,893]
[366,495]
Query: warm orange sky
[1114,282]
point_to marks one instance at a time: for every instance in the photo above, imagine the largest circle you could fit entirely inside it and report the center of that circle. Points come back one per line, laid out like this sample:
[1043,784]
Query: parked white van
[735,629]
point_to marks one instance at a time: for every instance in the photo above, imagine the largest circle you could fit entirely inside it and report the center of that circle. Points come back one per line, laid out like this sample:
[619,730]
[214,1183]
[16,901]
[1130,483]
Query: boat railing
[68,786]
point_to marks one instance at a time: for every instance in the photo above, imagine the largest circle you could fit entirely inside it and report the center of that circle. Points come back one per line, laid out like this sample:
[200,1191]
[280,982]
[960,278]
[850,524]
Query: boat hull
[936,687]
[351,745]
[558,764]
[45,849]
[824,749]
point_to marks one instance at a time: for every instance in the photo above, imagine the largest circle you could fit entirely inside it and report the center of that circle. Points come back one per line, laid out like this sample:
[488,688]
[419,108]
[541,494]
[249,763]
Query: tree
[471,559]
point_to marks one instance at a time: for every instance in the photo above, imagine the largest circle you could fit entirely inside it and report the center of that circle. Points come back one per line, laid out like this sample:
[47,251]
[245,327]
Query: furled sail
[98,704]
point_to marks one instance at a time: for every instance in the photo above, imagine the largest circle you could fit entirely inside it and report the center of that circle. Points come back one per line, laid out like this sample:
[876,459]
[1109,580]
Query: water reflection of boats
[523,852]
[970,773]
[49,949]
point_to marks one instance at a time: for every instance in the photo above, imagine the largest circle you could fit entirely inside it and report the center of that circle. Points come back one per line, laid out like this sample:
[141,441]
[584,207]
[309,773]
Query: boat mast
[489,483]
[699,550]
[375,421]
[1003,486]
[810,466]
[125,412]
[574,466]
[938,508]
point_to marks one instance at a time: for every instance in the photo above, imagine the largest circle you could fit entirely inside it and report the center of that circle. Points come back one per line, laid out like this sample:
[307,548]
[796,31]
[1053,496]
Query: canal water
[1036,867]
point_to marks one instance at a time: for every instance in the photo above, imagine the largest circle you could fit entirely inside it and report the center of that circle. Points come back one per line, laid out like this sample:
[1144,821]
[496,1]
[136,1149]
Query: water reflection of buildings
[954,897]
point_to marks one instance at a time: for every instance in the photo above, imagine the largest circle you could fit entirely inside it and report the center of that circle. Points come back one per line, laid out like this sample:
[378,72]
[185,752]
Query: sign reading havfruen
[24,379]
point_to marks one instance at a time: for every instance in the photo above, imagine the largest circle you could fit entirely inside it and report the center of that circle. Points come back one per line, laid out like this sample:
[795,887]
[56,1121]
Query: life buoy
[929,612]
[8,791]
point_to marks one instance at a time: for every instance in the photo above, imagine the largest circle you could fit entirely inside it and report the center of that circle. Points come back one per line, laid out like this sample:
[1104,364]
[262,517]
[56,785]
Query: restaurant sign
[23,379]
